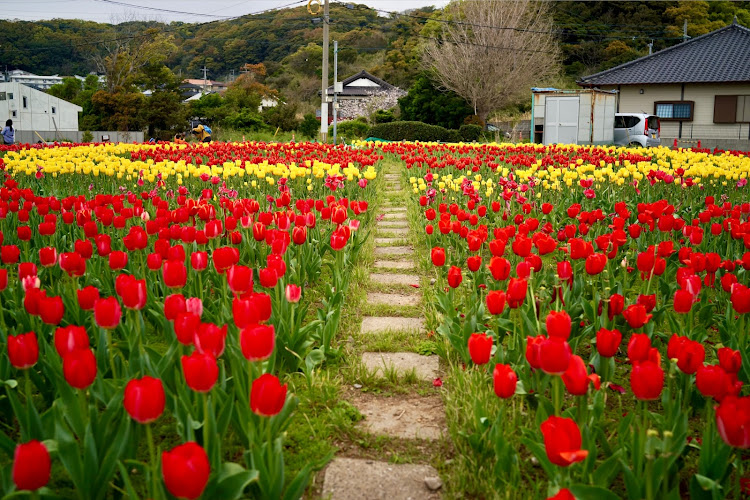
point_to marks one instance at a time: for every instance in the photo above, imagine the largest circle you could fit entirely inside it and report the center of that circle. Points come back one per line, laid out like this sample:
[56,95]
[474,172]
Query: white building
[32,109]
[32,80]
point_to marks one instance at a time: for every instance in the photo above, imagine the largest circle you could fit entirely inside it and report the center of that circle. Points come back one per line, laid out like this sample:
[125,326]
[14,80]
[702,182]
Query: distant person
[203,133]
[179,138]
[9,133]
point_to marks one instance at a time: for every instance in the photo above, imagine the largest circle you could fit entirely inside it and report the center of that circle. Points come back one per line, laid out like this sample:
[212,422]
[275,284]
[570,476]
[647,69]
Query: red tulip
[480,347]
[267,396]
[23,350]
[118,260]
[615,306]
[636,315]
[563,494]
[154,261]
[595,263]
[73,264]
[690,356]
[240,279]
[562,441]
[201,371]
[576,378]
[554,356]
[257,342]
[504,381]
[516,293]
[293,293]
[48,256]
[647,380]
[499,268]
[186,326]
[268,277]
[3,279]
[454,277]
[495,301]
[683,301]
[174,273]
[185,469]
[558,325]
[210,339]
[107,313]
[607,342]
[144,399]
[173,305]
[134,294]
[87,297]
[712,381]
[733,421]
[70,338]
[740,298]
[31,466]
[51,310]
[639,346]
[10,254]
[199,260]
[532,350]
[79,368]
[730,360]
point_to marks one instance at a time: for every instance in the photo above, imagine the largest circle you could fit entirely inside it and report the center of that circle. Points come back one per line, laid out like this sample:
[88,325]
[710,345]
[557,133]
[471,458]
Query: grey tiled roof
[362,91]
[720,56]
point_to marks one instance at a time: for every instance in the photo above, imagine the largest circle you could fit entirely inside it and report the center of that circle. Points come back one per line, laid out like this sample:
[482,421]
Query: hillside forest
[278,53]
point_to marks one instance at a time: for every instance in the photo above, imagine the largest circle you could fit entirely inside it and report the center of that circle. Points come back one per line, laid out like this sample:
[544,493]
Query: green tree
[309,126]
[283,116]
[163,111]
[67,90]
[426,103]
[119,110]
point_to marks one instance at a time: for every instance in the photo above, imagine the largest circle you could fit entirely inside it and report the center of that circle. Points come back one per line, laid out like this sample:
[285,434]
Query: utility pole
[205,77]
[335,86]
[684,31]
[324,95]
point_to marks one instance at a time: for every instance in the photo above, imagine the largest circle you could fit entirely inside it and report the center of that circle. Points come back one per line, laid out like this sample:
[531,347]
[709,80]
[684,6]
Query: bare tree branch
[491,52]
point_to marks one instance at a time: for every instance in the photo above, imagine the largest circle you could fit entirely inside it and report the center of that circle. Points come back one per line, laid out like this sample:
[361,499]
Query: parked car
[637,129]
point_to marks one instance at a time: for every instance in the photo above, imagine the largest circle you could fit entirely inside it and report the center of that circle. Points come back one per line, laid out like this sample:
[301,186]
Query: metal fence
[733,131]
[33,136]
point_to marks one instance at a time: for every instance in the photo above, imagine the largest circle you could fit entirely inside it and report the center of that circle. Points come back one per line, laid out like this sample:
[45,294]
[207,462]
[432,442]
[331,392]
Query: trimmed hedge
[350,129]
[470,133]
[413,131]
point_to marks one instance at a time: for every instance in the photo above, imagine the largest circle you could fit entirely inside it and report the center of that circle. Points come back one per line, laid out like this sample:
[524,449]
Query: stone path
[394,287]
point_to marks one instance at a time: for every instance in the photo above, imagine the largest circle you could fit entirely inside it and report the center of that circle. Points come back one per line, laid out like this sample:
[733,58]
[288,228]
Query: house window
[25,102]
[732,109]
[14,114]
[2,96]
[10,95]
[674,110]
[54,110]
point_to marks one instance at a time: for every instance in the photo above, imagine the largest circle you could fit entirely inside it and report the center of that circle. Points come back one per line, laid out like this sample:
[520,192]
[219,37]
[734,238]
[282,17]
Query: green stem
[153,459]
[206,430]
[557,393]
[111,353]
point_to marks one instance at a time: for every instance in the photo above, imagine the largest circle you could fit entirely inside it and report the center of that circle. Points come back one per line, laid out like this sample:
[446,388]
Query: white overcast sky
[195,10]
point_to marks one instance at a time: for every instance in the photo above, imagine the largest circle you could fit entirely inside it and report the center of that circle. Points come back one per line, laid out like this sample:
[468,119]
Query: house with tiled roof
[699,88]
[362,94]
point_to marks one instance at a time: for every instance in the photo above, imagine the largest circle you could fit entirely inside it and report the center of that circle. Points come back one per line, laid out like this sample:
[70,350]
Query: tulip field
[158,301]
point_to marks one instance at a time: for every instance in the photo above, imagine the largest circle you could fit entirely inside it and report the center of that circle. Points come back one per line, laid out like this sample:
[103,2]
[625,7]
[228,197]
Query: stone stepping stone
[392,299]
[399,224]
[388,216]
[426,367]
[394,264]
[388,241]
[396,230]
[380,324]
[395,208]
[363,479]
[394,279]
[393,251]
[407,417]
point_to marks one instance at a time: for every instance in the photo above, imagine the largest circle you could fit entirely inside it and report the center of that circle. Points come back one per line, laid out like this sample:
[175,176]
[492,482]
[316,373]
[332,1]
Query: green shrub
[245,120]
[470,133]
[350,129]
[474,120]
[87,136]
[413,131]
[310,126]
[383,116]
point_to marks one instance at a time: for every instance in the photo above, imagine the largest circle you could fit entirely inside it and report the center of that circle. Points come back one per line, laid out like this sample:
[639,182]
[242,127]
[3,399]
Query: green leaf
[12,383]
[605,473]
[706,482]
[230,482]
[585,492]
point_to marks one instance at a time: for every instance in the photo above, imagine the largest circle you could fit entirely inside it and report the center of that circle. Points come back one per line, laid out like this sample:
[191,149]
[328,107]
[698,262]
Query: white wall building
[32,109]
[41,82]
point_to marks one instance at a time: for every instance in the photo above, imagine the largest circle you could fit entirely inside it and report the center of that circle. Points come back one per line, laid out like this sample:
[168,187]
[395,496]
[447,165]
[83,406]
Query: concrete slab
[405,416]
[393,251]
[426,367]
[380,324]
[363,479]
[394,264]
[392,299]
[394,279]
